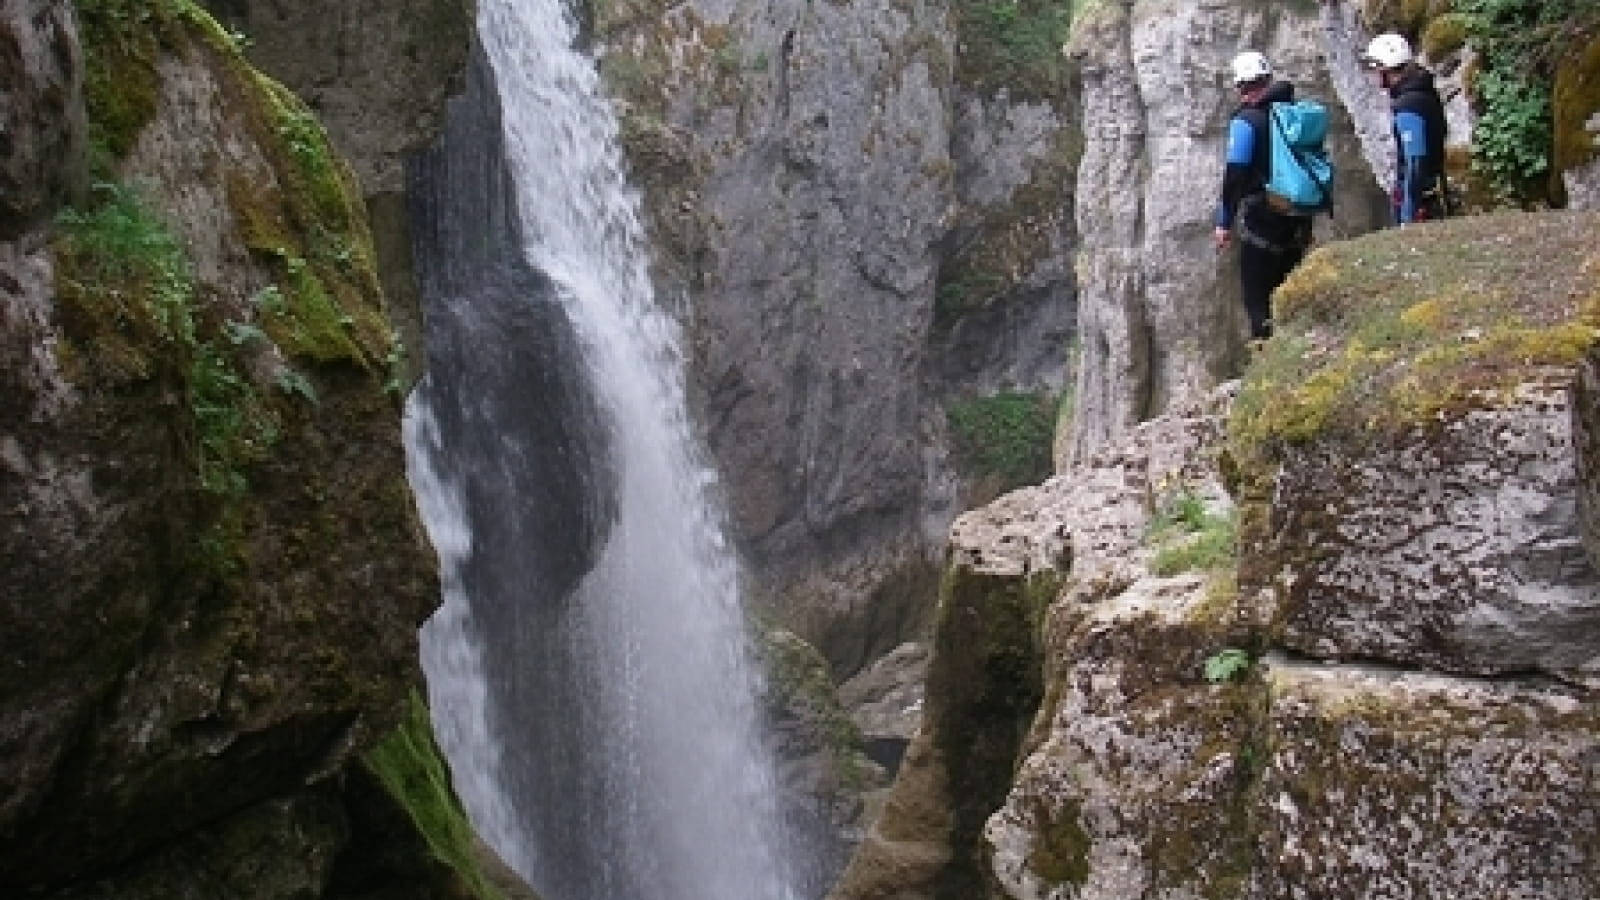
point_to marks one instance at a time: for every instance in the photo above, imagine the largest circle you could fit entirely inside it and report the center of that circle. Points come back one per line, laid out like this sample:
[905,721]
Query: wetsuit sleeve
[1236,175]
[1412,131]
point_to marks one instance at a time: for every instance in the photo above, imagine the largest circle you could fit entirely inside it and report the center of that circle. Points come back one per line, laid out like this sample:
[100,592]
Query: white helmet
[1250,66]
[1388,51]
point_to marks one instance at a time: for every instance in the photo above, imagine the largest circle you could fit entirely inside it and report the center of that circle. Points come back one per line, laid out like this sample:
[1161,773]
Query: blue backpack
[1301,181]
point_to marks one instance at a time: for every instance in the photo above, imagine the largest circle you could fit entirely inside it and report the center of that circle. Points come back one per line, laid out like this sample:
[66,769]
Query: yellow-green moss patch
[122,40]
[409,765]
[1401,328]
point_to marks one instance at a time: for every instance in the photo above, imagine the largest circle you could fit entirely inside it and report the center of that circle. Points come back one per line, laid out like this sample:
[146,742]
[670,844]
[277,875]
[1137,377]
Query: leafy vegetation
[127,280]
[1189,535]
[1005,437]
[1511,91]
[1226,665]
[1014,45]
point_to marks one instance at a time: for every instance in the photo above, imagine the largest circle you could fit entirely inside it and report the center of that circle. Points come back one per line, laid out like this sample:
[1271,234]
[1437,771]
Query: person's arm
[1412,130]
[1236,175]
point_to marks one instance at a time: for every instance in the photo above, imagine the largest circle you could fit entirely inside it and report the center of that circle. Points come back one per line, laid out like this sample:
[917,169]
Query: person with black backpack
[1419,127]
[1272,241]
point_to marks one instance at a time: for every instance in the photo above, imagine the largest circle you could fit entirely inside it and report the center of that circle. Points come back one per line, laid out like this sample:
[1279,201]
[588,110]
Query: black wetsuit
[1419,180]
[1271,243]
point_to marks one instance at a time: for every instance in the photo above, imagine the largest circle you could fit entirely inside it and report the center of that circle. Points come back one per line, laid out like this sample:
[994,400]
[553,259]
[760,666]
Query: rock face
[1387,691]
[859,227]
[1161,320]
[1462,554]
[376,73]
[214,572]
[41,82]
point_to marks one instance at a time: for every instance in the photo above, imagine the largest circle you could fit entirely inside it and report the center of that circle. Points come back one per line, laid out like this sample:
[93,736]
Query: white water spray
[672,797]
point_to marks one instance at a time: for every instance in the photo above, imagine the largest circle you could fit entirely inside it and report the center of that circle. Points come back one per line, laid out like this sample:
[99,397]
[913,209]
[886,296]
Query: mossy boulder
[1406,449]
[215,569]
[1137,777]
[983,689]
[1144,782]
[1393,783]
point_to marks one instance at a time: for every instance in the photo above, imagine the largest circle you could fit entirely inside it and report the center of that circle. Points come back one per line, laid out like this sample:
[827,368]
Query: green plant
[293,383]
[1181,508]
[1520,44]
[1014,44]
[1190,535]
[128,281]
[1226,665]
[1005,436]
[124,251]
[1511,140]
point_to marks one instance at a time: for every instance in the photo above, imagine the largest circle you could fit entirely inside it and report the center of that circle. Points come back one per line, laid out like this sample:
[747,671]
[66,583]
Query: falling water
[601,728]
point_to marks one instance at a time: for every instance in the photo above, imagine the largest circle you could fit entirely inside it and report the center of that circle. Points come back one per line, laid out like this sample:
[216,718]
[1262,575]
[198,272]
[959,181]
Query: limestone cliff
[1160,322]
[861,209]
[1329,632]
[376,74]
[214,570]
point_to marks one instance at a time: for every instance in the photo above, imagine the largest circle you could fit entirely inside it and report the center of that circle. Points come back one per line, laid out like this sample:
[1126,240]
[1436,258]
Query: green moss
[307,223]
[122,41]
[410,767]
[984,687]
[311,230]
[1060,851]
[799,684]
[1575,100]
[1402,329]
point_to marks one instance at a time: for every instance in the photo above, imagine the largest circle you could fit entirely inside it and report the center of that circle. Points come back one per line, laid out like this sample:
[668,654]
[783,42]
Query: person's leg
[1260,270]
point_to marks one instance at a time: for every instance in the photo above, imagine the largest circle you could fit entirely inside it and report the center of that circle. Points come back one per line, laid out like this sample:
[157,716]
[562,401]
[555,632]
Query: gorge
[703,313]
[655,783]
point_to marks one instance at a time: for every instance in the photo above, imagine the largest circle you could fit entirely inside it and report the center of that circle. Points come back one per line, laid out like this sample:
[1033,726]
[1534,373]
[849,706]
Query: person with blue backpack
[1419,130]
[1274,234]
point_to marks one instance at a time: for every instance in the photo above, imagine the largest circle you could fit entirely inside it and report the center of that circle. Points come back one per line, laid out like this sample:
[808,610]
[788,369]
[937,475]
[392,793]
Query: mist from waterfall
[602,724]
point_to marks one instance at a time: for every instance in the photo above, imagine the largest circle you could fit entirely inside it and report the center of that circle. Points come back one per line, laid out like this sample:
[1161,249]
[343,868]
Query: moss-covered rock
[1405,448]
[1575,102]
[1384,783]
[215,567]
[409,834]
[1145,783]
[983,690]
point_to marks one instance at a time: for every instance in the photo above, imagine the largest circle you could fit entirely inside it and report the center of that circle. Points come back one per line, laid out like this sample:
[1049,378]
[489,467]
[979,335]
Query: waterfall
[588,668]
